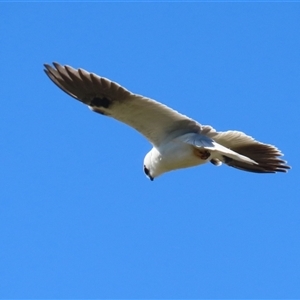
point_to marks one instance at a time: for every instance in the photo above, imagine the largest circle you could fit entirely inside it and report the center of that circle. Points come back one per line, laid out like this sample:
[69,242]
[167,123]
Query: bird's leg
[202,153]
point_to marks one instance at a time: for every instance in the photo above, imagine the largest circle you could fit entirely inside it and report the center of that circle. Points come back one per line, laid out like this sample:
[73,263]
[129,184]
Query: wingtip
[56,64]
[49,66]
[46,67]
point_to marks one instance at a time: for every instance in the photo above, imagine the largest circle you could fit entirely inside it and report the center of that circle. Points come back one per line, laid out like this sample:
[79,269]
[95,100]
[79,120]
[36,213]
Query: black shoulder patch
[100,102]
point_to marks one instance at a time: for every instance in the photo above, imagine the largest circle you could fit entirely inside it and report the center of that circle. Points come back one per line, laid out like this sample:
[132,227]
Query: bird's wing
[155,121]
[266,156]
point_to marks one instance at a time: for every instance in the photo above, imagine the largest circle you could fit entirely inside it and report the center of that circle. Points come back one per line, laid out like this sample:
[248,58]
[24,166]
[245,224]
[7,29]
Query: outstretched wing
[266,156]
[155,121]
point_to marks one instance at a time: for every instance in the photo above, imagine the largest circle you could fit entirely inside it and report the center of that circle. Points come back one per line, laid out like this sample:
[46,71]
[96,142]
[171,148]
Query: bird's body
[178,141]
[172,155]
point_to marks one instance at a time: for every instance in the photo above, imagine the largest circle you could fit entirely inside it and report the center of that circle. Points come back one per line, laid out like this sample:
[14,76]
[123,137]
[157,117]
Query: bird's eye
[146,171]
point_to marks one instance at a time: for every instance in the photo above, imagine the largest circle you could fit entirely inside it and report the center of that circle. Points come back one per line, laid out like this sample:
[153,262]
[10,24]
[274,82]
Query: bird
[177,141]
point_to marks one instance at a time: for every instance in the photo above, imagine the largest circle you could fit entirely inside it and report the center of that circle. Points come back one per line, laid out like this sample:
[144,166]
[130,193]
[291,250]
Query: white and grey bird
[178,141]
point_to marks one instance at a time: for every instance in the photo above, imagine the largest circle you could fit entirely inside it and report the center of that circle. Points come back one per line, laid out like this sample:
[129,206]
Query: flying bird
[178,141]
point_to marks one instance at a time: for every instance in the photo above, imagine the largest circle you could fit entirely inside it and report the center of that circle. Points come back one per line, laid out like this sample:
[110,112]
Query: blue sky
[78,217]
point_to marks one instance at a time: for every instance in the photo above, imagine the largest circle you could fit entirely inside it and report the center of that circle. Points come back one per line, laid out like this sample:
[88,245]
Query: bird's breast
[177,154]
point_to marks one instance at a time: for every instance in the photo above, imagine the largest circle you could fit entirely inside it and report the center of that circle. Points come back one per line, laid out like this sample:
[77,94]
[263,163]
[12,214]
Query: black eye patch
[146,171]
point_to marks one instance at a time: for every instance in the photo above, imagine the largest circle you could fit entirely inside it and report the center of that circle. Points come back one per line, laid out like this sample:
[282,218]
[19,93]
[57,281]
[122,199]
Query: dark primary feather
[85,86]
[267,157]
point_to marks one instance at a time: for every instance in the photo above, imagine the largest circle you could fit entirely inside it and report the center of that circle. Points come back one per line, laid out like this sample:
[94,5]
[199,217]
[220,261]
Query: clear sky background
[78,217]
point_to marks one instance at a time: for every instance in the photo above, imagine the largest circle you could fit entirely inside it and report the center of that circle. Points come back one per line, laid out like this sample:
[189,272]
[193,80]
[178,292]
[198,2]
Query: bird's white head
[153,164]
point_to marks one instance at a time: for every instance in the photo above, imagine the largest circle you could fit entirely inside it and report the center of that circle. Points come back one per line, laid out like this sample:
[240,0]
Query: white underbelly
[178,155]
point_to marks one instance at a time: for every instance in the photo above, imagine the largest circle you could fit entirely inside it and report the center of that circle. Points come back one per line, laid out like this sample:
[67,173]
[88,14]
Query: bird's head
[153,166]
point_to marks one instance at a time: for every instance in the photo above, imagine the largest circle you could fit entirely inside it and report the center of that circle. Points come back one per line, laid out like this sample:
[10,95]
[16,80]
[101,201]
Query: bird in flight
[178,141]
